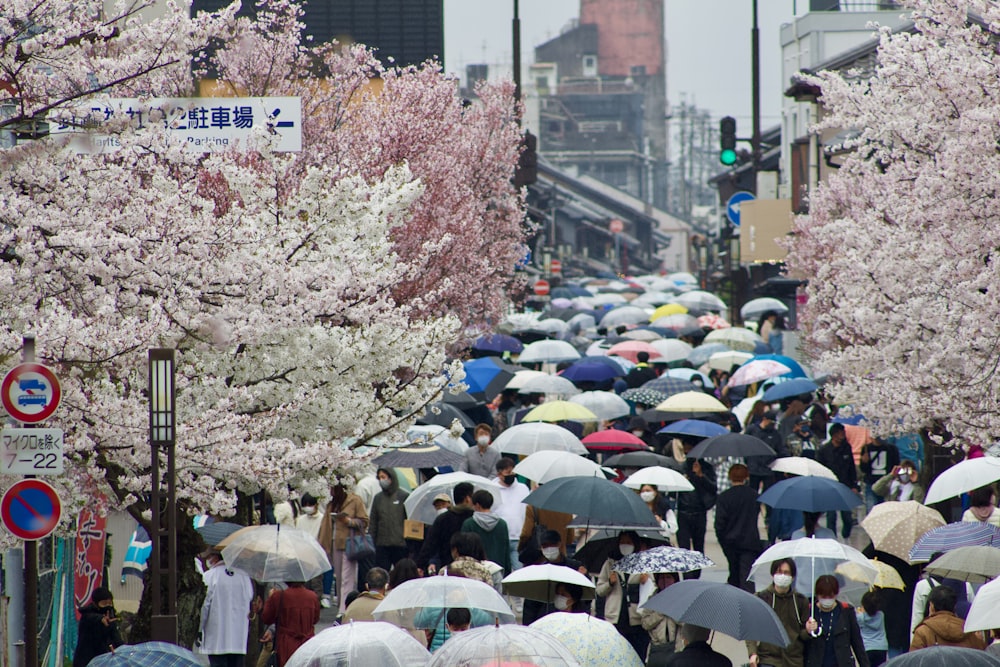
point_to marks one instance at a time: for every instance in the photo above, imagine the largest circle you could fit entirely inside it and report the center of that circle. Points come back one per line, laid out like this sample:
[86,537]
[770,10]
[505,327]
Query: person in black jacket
[838,457]
[761,474]
[641,373]
[98,629]
[736,516]
[435,552]
[834,629]
[693,505]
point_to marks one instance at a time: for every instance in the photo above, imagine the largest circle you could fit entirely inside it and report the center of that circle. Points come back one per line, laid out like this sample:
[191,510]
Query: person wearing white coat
[225,615]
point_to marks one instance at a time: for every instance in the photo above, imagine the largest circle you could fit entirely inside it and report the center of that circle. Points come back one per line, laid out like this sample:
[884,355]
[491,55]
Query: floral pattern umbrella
[663,559]
[758,370]
[644,396]
[594,642]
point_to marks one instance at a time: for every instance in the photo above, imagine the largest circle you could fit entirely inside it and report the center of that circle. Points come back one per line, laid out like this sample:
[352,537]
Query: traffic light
[727,141]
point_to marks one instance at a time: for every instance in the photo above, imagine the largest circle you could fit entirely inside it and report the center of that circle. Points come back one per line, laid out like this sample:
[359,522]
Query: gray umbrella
[421,455]
[213,533]
[640,459]
[976,564]
[945,656]
[595,499]
[728,609]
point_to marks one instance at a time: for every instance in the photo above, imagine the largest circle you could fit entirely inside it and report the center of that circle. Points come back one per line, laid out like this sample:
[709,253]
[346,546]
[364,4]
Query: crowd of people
[485,536]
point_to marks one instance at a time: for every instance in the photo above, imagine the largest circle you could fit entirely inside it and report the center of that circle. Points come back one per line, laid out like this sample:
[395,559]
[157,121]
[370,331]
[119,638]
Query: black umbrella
[642,460]
[700,602]
[945,656]
[463,400]
[669,385]
[420,455]
[602,543]
[443,414]
[731,444]
[215,532]
[593,499]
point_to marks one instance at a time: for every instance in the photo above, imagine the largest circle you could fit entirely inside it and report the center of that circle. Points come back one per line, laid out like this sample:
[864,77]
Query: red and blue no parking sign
[30,509]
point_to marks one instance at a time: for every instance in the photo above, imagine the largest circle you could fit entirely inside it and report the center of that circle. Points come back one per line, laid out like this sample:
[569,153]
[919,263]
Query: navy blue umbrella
[694,427]
[593,499]
[588,370]
[810,494]
[731,444]
[497,343]
[789,388]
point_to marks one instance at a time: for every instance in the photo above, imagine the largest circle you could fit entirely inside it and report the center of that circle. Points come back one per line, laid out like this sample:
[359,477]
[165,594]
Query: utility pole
[755,82]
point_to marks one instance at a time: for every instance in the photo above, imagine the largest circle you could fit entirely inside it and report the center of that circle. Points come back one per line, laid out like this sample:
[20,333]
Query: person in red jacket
[295,612]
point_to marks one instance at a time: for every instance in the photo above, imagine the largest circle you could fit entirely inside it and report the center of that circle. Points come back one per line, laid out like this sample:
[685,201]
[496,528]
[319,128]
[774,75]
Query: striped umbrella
[953,536]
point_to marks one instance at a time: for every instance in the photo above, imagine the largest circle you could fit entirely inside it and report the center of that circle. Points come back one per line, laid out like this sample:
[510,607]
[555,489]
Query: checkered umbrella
[148,654]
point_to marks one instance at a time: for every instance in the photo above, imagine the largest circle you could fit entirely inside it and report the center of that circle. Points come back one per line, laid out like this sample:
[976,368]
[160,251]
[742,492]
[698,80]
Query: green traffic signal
[728,157]
[727,141]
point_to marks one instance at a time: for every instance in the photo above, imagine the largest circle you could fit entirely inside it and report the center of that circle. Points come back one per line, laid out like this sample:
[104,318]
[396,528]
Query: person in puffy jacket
[942,627]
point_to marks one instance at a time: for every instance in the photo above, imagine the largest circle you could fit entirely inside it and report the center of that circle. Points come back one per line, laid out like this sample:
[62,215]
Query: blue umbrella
[694,427]
[591,370]
[488,376]
[810,494]
[789,388]
[147,654]
[952,536]
[797,370]
[498,343]
[728,609]
[593,499]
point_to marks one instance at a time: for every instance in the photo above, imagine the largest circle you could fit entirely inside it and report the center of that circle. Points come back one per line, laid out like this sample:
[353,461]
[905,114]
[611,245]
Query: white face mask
[782,581]
[626,549]
[904,477]
[638,433]
[647,496]
[826,604]
[483,440]
[442,510]
[309,510]
[561,602]
[550,553]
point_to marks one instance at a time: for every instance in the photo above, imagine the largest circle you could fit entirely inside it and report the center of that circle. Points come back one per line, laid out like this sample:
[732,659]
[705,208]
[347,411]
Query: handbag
[359,546]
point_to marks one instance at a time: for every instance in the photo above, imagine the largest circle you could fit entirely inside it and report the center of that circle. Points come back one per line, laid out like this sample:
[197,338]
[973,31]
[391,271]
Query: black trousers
[740,561]
[386,557]
[691,528]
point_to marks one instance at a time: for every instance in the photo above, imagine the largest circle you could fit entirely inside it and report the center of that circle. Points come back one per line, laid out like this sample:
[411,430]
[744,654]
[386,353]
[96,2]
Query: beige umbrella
[558,411]
[692,401]
[895,526]
[887,576]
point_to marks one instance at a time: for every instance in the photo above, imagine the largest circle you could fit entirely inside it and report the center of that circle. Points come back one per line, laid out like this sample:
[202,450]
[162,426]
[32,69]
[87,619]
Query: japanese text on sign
[203,123]
[31,451]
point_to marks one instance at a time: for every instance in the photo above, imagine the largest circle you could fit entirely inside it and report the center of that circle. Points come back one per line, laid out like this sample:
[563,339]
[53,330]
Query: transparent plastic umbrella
[367,643]
[533,437]
[274,553]
[604,404]
[503,645]
[814,557]
[547,465]
[538,582]
[420,504]
[403,605]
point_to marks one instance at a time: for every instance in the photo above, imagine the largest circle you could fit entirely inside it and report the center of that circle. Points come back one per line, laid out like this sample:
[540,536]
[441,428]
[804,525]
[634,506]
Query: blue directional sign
[733,206]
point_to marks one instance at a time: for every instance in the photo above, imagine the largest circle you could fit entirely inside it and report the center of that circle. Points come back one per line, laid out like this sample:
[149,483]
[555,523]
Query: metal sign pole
[30,556]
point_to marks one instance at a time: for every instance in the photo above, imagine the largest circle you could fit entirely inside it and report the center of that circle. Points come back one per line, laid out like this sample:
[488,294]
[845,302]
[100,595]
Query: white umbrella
[664,479]
[605,404]
[538,582]
[625,315]
[814,557]
[552,326]
[549,384]
[962,477]
[537,436]
[736,338]
[754,308]
[653,299]
[548,351]
[723,361]
[547,465]
[522,377]
[439,435]
[607,298]
[671,349]
[701,300]
[802,466]
[380,644]
[985,611]
[403,604]
[757,370]
[681,278]
[644,335]
[503,645]
[420,503]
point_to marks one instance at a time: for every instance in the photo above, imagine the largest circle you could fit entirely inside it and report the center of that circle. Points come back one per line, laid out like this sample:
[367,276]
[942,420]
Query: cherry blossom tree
[900,245]
[463,235]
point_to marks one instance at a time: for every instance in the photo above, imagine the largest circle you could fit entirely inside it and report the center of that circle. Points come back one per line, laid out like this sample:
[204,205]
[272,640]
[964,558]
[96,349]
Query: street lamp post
[162,422]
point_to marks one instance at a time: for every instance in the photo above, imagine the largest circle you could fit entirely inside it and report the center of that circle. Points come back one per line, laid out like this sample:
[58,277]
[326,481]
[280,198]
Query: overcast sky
[708,46]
